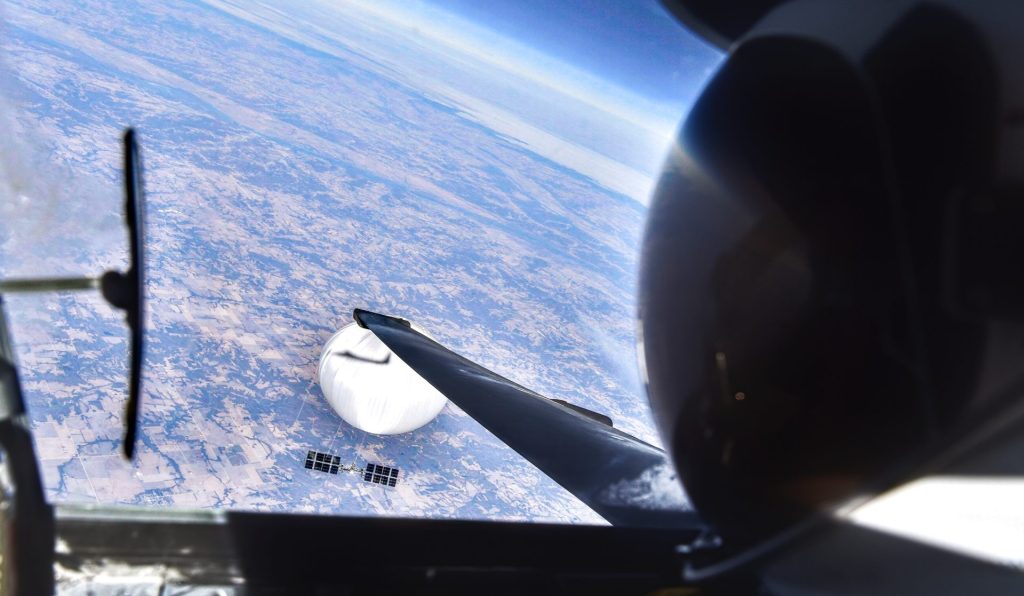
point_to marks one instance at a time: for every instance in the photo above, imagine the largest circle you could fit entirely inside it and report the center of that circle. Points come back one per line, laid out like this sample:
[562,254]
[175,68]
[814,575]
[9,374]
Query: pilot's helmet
[831,279]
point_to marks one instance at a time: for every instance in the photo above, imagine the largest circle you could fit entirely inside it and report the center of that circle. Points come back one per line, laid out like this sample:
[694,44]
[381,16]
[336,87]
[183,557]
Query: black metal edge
[29,528]
[274,549]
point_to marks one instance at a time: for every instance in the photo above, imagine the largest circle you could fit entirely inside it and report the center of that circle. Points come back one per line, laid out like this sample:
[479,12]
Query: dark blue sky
[634,44]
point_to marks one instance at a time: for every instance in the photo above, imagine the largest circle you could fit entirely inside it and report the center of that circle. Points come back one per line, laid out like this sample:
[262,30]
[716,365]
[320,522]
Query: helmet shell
[819,303]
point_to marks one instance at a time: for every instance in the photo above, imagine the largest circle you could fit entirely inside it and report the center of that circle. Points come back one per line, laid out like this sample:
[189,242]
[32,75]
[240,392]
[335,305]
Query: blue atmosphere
[635,45]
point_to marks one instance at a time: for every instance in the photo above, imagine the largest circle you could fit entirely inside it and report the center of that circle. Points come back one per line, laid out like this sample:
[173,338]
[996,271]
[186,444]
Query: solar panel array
[381,474]
[322,462]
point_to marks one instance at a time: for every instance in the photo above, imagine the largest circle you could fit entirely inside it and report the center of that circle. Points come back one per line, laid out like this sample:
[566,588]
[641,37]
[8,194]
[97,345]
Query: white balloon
[371,388]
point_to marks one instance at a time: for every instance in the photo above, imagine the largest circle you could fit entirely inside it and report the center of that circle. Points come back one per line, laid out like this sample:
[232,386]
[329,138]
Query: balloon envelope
[371,388]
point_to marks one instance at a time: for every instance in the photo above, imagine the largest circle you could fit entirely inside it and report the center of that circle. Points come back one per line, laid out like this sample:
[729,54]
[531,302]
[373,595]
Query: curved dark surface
[806,329]
[591,460]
